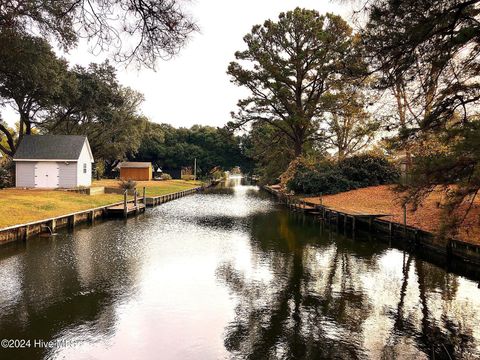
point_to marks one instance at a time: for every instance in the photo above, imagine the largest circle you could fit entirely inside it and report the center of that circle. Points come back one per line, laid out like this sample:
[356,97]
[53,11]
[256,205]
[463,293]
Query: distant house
[53,161]
[157,172]
[136,171]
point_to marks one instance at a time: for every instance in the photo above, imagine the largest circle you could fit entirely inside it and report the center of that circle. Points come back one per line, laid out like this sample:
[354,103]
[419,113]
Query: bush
[6,173]
[127,184]
[166,176]
[5,178]
[369,170]
[355,172]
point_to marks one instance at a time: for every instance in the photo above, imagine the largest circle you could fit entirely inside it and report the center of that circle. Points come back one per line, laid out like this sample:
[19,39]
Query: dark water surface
[230,274]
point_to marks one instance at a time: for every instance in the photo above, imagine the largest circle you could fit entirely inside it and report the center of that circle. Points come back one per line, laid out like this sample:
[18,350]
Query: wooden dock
[120,210]
[380,224]
[128,208]
[334,215]
[348,216]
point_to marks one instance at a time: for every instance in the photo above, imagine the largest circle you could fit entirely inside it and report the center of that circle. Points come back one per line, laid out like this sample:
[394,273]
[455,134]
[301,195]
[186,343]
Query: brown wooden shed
[141,171]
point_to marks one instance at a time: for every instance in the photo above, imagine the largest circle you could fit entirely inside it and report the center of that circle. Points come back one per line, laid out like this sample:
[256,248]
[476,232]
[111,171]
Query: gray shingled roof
[134,164]
[50,147]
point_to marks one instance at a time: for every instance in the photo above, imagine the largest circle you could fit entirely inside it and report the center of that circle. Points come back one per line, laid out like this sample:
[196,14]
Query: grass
[20,206]
[154,188]
[23,206]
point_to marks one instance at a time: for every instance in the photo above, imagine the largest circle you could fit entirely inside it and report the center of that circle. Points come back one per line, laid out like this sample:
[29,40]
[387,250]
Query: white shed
[53,161]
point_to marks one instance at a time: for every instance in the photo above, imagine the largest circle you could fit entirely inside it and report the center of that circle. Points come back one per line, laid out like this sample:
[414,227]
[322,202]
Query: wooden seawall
[22,232]
[350,222]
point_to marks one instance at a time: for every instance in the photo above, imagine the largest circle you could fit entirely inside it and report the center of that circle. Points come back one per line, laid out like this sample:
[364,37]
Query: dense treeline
[52,97]
[171,148]
[407,81]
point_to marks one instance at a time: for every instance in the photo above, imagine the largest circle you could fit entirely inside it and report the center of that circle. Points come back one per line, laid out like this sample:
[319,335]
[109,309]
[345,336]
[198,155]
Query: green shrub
[328,177]
[5,178]
[6,173]
[166,176]
[369,170]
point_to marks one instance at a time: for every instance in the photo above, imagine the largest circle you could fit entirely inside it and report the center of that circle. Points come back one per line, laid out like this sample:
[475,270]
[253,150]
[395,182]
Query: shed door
[46,175]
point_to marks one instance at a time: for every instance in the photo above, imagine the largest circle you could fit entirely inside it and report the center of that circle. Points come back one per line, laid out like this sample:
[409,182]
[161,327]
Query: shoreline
[22,232]
[410,236]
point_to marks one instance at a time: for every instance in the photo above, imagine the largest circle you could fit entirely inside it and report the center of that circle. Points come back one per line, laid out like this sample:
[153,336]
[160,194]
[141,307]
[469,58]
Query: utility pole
[195,169]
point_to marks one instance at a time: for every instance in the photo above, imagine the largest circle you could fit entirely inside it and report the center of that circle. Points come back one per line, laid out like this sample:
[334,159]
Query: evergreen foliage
[328,177]
[428,55]
[291,67]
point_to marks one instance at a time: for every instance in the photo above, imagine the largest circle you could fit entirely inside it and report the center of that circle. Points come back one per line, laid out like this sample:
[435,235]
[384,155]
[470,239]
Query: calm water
[230,274]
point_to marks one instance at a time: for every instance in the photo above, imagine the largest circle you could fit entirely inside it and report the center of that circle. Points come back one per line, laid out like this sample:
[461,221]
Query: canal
[229,273]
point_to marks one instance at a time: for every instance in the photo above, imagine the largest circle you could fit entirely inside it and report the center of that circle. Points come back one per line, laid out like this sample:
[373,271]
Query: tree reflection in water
[342,299]
[229,273]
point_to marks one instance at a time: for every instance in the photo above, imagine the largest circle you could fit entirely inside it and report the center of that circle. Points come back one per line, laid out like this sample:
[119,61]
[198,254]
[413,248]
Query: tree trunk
[298,148]
[10,150]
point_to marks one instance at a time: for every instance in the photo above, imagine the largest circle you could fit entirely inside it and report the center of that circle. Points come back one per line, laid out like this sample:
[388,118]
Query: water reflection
[340,299]
[229,274]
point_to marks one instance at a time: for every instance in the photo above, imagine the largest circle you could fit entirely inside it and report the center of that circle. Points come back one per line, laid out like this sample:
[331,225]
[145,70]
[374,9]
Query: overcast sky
[193,88]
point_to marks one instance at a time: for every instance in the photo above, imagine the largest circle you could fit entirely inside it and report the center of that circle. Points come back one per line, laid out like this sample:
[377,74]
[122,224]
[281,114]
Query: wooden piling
[53,225]
[125,208]
[71,221]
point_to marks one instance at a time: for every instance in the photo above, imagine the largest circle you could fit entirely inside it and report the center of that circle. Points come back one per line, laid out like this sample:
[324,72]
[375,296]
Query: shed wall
[25,173]
[84,178]
[142,174]
[67,174]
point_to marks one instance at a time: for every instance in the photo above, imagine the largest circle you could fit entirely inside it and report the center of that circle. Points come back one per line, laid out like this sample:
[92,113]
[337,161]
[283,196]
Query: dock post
[449,249]
[144,196]
[135,198]
[92,217]
[53,225]
[125,209]
[26,234]
[71,221]
[353,225]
